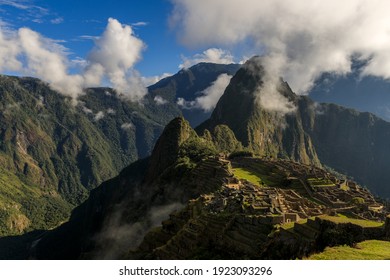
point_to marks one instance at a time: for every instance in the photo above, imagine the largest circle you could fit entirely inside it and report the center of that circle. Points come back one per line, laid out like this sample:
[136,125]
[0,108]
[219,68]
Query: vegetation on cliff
[52,152]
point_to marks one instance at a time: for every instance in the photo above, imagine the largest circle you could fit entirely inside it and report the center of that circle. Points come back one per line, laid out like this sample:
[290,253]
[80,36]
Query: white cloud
[16,4]
[181,102]
[127,126]
[46,59]
[140,23]
[113,57]
[213,55]
[99,115]
[300,38]
[159,100]
[88,37]
[27,10]
[148,81]
[79,62]
[9,50]
[270,99]
[111,111]
[87,110]
[210,97]
[38,20]
[117,50]
[57,20]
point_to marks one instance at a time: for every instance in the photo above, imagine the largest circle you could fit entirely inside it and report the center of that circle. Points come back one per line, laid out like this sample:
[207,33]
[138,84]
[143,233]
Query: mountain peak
[167,147]
[263,118]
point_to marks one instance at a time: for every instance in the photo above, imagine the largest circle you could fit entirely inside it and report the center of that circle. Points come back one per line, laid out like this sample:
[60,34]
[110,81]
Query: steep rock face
[167,147]
[266,132]
[225,140]
[353,143]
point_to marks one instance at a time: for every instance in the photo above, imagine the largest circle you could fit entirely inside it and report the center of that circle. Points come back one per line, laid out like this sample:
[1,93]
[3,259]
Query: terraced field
[343,219]
[258,172]
[245,174]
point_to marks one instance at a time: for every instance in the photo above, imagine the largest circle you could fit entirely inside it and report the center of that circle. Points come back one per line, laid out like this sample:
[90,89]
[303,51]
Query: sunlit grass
[315,182]
[344,219]
[366,250]
[241,173]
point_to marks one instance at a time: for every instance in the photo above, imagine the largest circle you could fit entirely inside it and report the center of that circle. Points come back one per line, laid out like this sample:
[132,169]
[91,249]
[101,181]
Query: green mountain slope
[65,150]
[266,133]
[183,183]
[54,152]
[136,200]
[186,202]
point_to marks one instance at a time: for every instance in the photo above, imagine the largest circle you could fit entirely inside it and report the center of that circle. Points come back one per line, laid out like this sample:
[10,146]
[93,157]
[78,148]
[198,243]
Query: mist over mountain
[270,142]
[273,130]
[351,142]
[184,166]
[188,85]
[122,210]
[363,93]
[64,150]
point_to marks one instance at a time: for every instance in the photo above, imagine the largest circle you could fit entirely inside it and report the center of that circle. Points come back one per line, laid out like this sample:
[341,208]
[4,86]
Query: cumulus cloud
[117,50]
[113,58]
[159,100]
[210,96]
[9,50]
[213,55]
[46,59]
[301,39]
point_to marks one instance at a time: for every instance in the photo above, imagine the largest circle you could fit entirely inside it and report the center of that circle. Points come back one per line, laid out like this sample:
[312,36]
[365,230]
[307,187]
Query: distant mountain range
[54,153]
[188,84]
[363,93]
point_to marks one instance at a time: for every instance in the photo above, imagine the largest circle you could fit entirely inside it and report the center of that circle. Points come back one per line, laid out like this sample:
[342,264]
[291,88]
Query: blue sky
[72,21]
[87,43]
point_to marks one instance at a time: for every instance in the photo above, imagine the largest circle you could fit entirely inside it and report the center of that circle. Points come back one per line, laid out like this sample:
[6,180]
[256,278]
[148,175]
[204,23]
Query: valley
[246,183]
